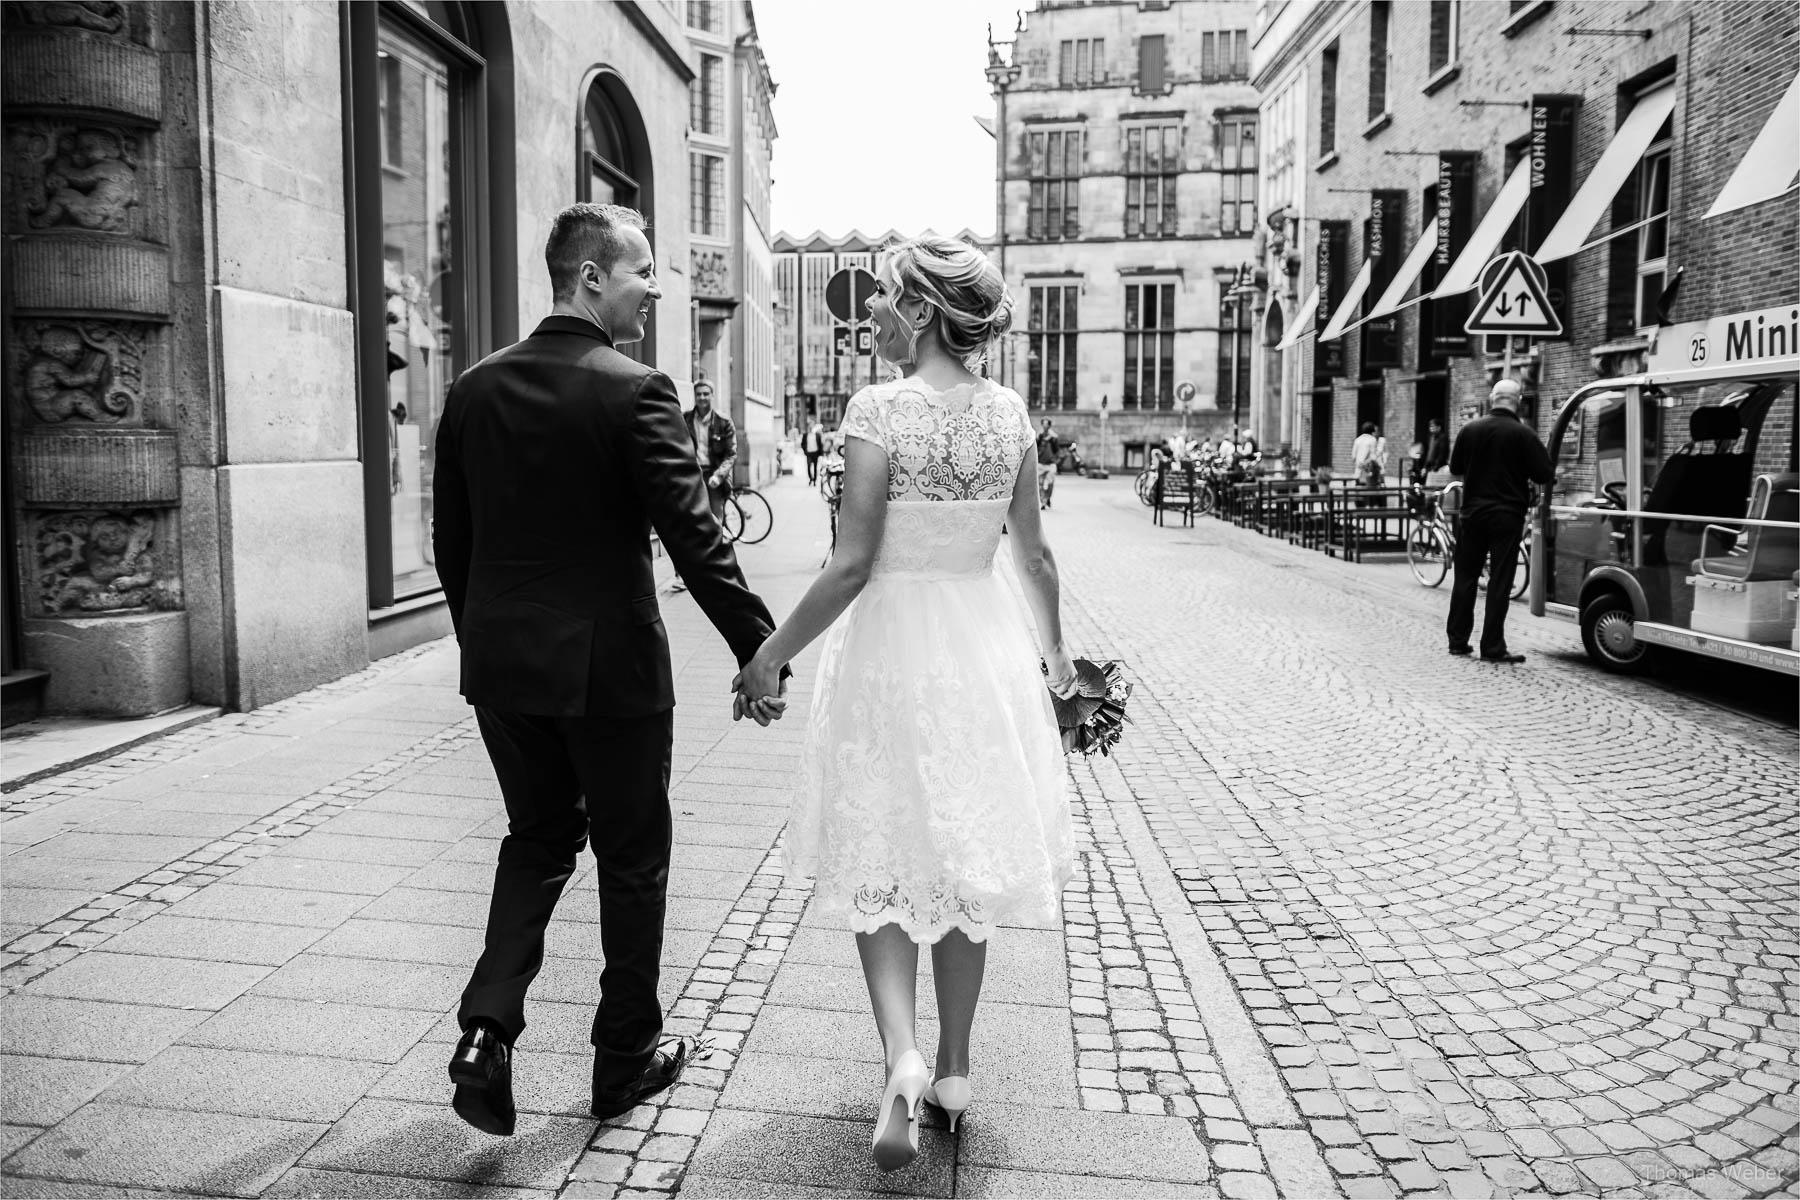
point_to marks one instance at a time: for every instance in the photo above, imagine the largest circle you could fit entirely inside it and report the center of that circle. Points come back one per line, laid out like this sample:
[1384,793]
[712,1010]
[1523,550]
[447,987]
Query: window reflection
[420,286]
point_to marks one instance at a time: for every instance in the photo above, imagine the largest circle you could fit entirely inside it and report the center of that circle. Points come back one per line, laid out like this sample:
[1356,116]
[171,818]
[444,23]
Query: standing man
[715,446]
[1498,459]
[813,444]
[1048,450]
[555,459]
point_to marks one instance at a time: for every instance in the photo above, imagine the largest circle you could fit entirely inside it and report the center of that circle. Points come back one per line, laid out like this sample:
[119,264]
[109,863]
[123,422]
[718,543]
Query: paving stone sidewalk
[1293,963]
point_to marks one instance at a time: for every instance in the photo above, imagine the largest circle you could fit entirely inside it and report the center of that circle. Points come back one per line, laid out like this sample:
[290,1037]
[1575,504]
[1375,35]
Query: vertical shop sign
[1382,239]
[1455,222]
[1552,184]
[1334,243]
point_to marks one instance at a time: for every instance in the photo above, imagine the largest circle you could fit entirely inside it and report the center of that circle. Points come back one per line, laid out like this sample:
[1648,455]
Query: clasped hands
[758,692]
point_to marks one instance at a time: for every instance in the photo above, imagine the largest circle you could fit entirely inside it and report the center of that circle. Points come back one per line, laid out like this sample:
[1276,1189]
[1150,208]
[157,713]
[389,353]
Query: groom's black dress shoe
[481,1068]
[1505,656]
[662,1070]
[1462,648]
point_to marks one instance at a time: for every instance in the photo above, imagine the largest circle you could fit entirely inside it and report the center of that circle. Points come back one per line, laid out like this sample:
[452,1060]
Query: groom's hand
[761,709]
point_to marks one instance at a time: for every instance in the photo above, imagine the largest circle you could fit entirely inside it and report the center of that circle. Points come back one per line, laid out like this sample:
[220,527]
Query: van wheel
[1608,631]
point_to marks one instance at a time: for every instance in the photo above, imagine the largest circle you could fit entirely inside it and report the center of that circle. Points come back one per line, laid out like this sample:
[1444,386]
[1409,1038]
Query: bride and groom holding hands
[929,806]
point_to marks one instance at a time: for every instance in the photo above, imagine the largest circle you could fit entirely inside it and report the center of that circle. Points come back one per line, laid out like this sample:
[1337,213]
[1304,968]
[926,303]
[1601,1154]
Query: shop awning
[1465,272]
[1772,163]
[1391,299]
[1608,176]
[1302,322]
[1346,309]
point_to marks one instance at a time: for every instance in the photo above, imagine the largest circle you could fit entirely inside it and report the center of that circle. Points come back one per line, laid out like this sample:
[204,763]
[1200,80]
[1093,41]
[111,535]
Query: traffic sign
[840,341]
[1516,300]
[848,340]
[1184,393]
[865,339]
[847,294]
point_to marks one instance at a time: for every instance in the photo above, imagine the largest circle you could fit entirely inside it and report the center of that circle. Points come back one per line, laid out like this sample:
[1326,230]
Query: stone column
[89,412]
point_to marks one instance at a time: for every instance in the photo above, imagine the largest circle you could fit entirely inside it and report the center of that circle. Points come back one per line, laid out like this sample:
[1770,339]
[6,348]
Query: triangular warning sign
[1515,302]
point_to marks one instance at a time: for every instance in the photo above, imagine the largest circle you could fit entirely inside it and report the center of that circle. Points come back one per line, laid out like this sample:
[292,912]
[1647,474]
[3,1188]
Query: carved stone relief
[100,562]
[73,370]
[97,16]
[712,273]
[68,175]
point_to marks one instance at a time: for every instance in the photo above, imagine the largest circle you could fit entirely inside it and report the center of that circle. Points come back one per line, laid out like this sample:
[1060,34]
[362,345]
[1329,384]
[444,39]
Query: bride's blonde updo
[962,284]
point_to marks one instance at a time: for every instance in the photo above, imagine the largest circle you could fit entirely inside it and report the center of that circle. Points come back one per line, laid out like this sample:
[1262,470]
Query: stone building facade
[731,139]
[1414,126]
[247,248]
[1126,161]
[815,379]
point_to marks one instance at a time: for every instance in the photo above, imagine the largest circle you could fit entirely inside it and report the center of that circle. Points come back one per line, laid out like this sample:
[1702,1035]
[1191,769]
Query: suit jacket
[555,458]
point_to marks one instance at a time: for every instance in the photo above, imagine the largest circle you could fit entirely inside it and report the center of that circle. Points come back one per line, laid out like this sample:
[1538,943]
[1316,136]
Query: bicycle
[748,518]
[1207,479]
[831,483]
[1431,546]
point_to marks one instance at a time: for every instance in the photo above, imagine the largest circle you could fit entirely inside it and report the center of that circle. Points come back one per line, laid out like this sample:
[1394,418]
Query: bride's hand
[1061,672]
[760,692]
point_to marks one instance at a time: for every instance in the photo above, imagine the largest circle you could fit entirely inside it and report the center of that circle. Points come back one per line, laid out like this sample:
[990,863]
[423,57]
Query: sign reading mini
[1760,337]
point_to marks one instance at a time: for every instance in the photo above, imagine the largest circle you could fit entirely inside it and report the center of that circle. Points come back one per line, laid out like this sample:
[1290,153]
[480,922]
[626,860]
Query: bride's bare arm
[1037,571]
[862,513]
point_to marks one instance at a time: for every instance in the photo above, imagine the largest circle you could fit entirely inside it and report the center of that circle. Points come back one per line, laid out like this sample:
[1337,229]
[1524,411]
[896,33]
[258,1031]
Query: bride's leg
[957,965]
[890,961]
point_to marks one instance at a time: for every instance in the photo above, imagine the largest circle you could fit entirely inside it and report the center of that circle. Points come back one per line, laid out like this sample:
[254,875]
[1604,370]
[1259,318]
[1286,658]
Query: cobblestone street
[1351,917]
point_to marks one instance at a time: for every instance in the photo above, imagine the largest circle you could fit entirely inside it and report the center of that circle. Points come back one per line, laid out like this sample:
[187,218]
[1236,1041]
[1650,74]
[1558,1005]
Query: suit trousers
[1489,536]
[570,782]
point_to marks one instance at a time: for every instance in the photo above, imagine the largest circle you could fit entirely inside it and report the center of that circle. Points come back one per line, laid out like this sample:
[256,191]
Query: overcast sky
[875,106]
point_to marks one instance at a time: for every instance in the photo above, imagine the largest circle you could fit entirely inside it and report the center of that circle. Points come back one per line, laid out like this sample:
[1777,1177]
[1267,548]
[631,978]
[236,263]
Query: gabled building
[1126,165]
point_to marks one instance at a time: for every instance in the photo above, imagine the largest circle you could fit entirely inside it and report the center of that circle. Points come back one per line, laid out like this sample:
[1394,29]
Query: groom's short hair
[585,233]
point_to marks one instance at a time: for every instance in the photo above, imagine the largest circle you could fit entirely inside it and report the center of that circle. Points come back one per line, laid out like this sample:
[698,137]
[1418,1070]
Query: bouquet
[1094,717]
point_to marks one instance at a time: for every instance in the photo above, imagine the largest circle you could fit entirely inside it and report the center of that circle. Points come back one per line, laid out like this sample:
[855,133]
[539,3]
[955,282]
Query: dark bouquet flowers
[1094,717]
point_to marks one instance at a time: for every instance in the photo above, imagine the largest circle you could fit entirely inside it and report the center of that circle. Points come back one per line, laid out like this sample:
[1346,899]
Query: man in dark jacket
[1498,459]
[714,439]
[555,459]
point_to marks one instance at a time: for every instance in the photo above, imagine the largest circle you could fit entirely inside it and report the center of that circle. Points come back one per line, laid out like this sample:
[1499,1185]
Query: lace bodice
[953,459]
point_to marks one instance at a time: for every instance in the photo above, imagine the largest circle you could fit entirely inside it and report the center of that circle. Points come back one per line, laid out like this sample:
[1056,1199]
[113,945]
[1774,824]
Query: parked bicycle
[1208,478]
[831,484]
[1431,546]
[748,518]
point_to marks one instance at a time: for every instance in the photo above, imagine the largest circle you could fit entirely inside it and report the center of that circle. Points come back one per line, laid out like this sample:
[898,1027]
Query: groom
[555,459]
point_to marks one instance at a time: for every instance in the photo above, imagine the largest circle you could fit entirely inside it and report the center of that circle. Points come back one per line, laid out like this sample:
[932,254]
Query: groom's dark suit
[555,458]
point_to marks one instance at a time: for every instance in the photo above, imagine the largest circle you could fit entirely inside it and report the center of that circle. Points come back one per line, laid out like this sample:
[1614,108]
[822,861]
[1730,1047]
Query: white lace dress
[932,789]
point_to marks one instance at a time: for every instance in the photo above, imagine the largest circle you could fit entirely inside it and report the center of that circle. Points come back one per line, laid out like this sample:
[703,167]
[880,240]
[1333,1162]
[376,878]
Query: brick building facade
[1641,112]
[1126,137]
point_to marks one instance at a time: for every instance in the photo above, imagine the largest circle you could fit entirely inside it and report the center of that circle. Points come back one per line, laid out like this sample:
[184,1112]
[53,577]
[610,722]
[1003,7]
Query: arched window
[613,167]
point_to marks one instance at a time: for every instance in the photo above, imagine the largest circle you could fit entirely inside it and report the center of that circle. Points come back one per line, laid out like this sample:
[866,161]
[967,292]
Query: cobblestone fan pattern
[1504,930]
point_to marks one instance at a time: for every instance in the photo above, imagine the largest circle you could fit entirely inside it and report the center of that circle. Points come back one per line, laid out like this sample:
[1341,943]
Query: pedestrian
[547,575]
[932,801]
[715,446]
[812,443]
[1368,456]
[1498,458]
[1437,447]
[1049,449]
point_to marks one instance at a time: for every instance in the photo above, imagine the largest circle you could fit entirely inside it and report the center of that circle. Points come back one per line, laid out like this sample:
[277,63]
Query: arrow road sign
[1515,302]
[847,294]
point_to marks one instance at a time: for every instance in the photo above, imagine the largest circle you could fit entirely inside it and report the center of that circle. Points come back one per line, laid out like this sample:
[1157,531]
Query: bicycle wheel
[1146,487]
[1426,555]
[732,520]
[753,512]
[1522,572]
[1204,498]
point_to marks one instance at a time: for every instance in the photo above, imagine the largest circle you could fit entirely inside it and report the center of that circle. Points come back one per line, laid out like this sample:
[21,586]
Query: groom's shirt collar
[575,325]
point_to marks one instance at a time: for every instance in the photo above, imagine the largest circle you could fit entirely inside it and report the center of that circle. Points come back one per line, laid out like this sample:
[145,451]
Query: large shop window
[419,162]
[1051,352]
[1149,346]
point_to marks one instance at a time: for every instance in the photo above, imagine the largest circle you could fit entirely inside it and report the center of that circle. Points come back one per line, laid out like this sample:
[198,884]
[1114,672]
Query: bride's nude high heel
[896,1141]
[952,1094]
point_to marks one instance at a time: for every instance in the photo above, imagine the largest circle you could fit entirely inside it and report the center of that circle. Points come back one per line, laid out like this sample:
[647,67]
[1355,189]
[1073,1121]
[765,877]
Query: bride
[931,804]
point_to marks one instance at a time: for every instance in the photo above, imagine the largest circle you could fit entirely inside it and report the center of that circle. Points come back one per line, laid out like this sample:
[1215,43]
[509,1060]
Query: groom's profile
[556,457]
